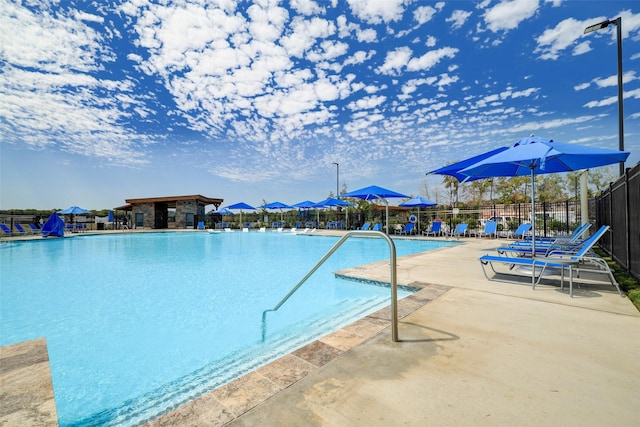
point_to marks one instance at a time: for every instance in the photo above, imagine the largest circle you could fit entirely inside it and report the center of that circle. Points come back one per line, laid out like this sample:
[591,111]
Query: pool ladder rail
[392,272]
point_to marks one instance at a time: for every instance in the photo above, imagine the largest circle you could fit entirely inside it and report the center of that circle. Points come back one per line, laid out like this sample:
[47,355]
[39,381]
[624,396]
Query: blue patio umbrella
[332,201]
[110,218]
[536,155]
[454,168]
[374,192]
[307,204]
[276,205]
[74,210]
[223,211]
[418,202]
[241,206]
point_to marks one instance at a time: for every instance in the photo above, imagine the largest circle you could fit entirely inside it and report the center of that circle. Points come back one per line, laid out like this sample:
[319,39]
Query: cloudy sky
[249,101]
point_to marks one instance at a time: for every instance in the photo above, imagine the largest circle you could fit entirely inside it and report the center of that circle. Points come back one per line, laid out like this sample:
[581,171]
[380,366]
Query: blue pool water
[139,323]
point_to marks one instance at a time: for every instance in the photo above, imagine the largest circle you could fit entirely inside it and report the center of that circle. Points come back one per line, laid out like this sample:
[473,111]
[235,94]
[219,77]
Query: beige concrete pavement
[482,353]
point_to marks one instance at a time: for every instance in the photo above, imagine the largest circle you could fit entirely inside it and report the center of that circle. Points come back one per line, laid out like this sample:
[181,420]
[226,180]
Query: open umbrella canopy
[307,204]
[374,192]
[74,210]
[536,155]
[276,205]
[418,202]
[332,201]
[224,211]
[241,205]
[110,218]
[542,155]
[455,168]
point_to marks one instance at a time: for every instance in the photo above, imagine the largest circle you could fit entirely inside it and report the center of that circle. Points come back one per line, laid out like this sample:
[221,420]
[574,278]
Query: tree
[451,184]
[550,189]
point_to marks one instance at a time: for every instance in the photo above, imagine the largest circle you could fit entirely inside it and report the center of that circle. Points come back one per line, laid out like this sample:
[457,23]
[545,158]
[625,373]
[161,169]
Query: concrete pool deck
[471,352]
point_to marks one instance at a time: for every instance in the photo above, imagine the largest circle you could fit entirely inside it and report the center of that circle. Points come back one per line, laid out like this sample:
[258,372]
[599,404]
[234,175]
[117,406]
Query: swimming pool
[142,322]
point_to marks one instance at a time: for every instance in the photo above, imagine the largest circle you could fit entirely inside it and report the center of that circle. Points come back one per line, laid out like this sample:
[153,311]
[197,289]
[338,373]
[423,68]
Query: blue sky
[249,101]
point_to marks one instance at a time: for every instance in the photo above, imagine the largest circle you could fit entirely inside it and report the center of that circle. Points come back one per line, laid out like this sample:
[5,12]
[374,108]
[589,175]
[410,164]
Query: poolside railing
[392,273]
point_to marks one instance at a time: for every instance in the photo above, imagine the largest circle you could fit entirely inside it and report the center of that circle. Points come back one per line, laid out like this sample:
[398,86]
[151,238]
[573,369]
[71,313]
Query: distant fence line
[619,207]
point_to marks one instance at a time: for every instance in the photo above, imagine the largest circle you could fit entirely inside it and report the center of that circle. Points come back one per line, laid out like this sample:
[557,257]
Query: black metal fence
[619,207]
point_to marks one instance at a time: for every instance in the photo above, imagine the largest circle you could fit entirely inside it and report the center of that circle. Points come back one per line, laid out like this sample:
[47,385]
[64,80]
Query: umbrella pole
[533,211]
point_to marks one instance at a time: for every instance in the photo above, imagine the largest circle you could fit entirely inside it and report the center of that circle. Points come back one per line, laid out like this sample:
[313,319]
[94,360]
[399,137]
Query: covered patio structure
[168,212]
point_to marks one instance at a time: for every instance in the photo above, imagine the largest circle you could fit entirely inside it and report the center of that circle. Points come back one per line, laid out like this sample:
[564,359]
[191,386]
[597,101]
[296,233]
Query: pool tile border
[26,387]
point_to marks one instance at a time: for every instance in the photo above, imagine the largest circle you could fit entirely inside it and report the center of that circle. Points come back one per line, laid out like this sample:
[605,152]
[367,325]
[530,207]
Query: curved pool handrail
[392,272]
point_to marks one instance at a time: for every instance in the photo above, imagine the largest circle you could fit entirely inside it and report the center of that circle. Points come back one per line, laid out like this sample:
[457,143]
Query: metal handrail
[392,272]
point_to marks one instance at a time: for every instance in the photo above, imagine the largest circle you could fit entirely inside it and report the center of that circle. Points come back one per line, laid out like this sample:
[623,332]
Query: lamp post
[618,23]
[337,178]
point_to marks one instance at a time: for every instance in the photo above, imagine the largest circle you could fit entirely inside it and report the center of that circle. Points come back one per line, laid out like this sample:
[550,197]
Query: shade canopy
[374,192]
[276,205]
[332,201]
[454,168]
[307,204]
[536,155]
[74,210]
[542,155]
[417,202]
[241,205]
[223,211]
[110,217]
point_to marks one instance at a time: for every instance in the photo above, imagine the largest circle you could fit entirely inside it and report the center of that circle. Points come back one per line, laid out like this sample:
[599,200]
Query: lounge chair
[245,229]
[21,230]
[365,226]
[6,230]
[520,232]
[200,225]
[490,229]
[34,228]
[460,230]
[539,265]
[409,228]
[435,229]
[545,245]
[377,227]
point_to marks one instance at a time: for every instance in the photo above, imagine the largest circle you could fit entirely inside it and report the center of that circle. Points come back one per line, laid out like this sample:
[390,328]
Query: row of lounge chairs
[550,256]
[20,230]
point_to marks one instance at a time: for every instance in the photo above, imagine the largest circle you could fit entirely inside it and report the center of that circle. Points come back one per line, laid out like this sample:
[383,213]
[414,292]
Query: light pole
[337,178]
[618,23]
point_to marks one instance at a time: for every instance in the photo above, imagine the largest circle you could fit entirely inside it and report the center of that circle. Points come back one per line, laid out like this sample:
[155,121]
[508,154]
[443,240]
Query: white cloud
[377,11]
[424,14]
[359,57]
[431,58]
[307,7]
[395,61]
[581,48]
[458,18]
[508,14]
[366,103]
[554,40]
